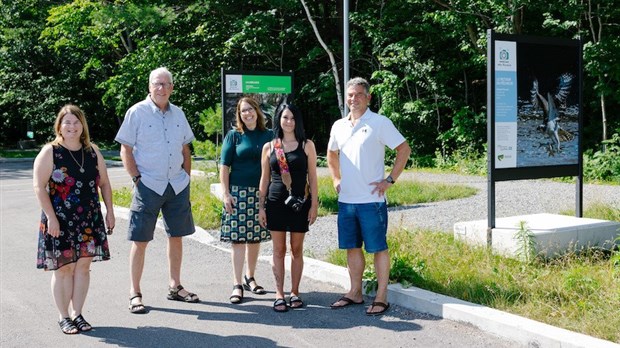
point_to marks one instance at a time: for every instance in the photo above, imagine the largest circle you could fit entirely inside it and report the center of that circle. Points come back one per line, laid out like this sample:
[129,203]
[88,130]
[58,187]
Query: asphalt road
[28,314]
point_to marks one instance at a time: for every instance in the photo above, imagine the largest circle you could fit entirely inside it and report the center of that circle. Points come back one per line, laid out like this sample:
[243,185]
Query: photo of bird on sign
[551,105]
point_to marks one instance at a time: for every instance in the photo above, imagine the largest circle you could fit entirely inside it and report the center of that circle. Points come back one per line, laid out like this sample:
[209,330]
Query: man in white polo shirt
[154,138]
[356,160]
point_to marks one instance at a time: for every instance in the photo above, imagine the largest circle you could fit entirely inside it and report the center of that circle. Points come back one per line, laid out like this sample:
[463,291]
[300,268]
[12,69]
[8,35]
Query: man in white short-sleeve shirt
[356,160]
[155,138]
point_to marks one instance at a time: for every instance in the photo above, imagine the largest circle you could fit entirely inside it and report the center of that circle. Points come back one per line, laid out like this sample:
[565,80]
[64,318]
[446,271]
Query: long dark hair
[300,134]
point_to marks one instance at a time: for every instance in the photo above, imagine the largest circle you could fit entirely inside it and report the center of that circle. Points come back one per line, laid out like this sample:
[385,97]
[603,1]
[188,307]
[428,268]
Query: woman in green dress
[239,177]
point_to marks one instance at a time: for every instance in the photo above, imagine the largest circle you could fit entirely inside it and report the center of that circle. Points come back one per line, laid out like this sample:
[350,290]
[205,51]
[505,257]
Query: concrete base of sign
[553,234]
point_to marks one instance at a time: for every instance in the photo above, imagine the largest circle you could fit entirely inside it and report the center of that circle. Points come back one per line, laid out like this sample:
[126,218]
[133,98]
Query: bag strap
[284,171]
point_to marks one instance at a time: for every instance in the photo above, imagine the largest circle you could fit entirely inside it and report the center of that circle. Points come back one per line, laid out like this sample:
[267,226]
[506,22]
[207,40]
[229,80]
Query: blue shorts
[145,207]
[363,223]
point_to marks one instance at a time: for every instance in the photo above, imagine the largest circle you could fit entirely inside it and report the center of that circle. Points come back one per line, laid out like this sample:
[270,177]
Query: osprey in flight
[550,106]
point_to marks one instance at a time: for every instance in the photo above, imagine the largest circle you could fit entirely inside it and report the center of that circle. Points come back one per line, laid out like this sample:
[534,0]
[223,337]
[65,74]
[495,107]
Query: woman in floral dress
[67,176]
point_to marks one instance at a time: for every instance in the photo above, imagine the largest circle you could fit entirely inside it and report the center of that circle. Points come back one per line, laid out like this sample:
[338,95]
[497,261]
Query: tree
[425,60]
[329,52]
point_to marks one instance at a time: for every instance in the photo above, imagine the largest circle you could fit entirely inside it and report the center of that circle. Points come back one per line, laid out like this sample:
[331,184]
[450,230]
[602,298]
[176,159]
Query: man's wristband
[136,178]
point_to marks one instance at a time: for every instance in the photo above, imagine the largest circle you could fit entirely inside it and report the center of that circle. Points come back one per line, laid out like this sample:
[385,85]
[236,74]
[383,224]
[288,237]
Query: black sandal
[234,298]
[278,303]
[68,327]
[295,302]
[82,324]
[383,305]
[258,290]
[173,294]
[137,308]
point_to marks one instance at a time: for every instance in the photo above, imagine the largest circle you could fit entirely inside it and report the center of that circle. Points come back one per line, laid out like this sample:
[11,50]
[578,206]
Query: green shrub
[604,165]
[462,161]
[206,149]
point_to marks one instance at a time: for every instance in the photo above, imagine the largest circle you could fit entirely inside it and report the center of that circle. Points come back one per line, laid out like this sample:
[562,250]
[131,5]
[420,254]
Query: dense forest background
[425,59]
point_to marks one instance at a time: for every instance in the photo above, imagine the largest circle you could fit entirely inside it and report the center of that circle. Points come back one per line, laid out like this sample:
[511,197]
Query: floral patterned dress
[74,193]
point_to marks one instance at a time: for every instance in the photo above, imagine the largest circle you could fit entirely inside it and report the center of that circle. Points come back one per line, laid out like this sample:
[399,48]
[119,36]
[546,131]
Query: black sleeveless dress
[74,194]
[279,216]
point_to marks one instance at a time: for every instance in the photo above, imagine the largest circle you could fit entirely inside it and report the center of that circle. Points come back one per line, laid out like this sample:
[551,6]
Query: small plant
[405,269]
[614,259]
[370,280]
[211,121]
[526,242]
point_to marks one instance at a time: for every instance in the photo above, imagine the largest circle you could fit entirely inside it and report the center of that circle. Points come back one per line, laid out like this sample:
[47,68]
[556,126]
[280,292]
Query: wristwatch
[390,180]
[136,178]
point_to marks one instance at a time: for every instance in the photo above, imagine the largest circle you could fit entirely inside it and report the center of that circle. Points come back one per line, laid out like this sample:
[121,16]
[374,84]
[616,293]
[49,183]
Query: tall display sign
[534,110]
[269,89]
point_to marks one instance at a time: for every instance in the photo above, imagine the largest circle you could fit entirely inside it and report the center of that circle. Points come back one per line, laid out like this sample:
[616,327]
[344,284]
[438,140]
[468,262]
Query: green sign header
[266,84]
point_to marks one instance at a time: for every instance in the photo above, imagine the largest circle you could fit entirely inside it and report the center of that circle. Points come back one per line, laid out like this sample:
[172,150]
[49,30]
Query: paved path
[28,316]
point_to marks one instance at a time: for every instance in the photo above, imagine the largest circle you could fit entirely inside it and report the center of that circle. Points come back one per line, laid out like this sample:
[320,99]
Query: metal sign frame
[269,88]
[550,69]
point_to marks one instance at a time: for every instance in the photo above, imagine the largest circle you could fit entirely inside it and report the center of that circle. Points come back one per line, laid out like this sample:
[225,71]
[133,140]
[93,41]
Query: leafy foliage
[604,165]
[426,61]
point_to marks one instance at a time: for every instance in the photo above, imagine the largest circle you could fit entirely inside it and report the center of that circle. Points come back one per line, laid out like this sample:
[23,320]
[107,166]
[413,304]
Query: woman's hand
[53,227]
[262,217]
[313,213]
[229,203]
[110,221]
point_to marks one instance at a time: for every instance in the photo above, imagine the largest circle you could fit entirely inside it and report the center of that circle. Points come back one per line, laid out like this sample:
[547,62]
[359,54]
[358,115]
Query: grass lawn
[19,153]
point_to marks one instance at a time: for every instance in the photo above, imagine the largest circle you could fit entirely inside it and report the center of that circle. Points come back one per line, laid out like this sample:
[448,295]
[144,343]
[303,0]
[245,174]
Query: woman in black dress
[289,154]
[67,176]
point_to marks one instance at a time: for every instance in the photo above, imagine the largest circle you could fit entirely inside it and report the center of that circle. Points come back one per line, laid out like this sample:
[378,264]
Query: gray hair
[358,81]
[160,71]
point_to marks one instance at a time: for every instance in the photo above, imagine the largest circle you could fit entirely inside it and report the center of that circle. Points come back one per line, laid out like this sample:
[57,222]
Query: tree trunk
[604,116]
[330,54]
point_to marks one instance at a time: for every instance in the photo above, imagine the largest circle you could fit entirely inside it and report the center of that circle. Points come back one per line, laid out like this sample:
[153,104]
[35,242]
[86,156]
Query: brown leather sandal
[173,294]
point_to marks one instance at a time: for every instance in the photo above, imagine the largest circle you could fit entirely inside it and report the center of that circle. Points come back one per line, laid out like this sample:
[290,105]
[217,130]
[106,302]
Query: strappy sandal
[68,327]
[173,295]
[234,298]
[279,303]
[258,290]
[137,308]
[82,324]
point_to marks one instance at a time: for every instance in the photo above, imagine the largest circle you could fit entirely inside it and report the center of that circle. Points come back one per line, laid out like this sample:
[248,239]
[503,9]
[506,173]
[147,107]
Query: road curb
[525,331]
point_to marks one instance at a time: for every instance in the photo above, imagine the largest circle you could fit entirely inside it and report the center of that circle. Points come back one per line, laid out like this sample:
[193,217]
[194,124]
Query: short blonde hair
[75,110]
